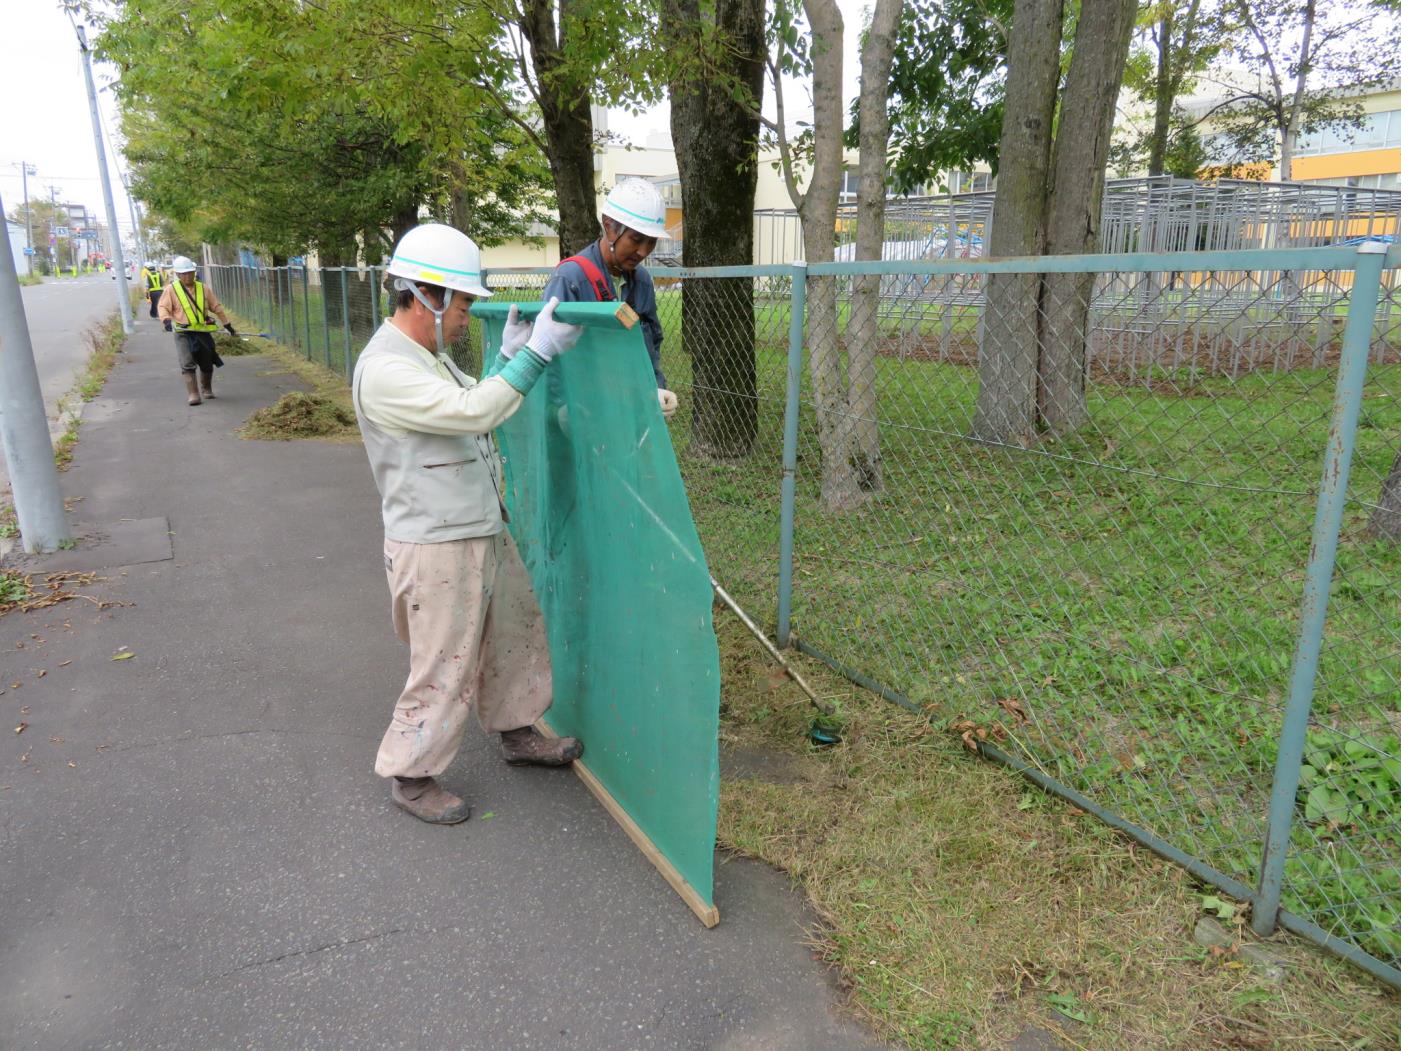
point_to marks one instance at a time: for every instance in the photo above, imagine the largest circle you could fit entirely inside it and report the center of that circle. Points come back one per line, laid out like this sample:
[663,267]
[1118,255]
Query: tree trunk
[1073,207]
[716,138]
[840,488]
[568,122]
[372,239]
[1385,523]
[1289,137]
[1163,99]
[1006,405]
[332,258]
[405,219]
[863,328]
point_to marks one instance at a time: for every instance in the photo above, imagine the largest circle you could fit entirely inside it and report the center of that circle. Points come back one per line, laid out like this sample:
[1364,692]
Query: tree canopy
[288,124]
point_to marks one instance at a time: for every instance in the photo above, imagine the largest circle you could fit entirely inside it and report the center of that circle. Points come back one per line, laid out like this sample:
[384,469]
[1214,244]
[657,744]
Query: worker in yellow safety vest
[153,284]
[184,309]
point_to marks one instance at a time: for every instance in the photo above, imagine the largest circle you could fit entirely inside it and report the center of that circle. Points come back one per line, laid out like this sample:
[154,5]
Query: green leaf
[1069,1005]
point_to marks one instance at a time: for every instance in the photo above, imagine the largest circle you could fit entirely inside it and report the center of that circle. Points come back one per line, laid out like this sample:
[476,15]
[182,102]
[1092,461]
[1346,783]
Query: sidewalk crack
[308,952]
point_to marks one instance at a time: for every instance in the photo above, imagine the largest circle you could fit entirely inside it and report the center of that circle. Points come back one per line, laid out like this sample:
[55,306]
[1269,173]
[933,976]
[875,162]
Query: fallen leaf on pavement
[42,673]
[64,664]
[21,728]
[123,656]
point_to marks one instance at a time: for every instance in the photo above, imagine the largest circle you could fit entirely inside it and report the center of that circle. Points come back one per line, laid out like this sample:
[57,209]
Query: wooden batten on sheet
[707,914]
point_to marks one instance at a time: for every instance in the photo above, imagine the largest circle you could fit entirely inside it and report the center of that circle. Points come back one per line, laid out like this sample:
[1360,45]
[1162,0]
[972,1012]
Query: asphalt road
[195,852]
[59,312]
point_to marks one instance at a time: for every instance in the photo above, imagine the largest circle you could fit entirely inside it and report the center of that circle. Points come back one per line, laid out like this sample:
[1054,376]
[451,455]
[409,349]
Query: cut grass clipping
[235,346]
[298,414]
[323,413]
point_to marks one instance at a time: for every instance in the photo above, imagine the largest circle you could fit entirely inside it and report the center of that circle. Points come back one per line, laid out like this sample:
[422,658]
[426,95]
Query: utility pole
[53,237]
[25,171]
[29,454]
[123,293]
[137,237]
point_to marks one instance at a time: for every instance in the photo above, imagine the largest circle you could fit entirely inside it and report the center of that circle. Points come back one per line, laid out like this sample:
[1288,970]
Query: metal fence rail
[1130,523]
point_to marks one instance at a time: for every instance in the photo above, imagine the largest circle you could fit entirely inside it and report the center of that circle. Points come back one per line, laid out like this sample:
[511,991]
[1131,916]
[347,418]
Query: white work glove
[550,338]
[667,400]
[514,333]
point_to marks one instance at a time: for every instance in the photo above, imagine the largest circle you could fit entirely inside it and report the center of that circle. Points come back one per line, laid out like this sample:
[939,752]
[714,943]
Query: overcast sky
[44,116]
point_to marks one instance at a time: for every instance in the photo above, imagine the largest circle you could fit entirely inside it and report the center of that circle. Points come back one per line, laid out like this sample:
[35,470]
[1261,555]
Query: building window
[1378,131]
[851,184]
[970,182]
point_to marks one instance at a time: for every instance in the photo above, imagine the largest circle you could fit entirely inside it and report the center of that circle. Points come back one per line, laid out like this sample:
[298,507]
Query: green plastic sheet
[599,512]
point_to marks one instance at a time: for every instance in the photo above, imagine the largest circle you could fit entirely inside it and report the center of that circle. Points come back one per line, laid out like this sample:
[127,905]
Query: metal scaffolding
[1212,323]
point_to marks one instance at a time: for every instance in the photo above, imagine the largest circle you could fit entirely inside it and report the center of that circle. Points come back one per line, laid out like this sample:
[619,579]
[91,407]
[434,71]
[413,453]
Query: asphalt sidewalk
[197,853]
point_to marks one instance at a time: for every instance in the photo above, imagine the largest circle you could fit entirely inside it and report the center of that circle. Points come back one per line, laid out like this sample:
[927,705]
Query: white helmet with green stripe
[434,254]
[637,204]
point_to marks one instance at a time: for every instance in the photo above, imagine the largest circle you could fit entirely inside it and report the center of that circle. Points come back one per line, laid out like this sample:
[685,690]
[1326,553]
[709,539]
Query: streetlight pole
[25,171]
[123,293]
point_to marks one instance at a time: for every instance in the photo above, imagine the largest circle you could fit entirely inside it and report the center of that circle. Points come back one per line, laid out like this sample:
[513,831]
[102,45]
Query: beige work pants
[475,634]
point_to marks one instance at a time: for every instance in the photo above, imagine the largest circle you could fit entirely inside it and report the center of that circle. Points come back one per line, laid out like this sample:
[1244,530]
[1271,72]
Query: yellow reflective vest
[194,312]
[153,280]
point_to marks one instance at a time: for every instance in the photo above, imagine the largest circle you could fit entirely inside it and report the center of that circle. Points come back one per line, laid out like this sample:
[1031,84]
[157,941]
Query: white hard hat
[637,204]
[184,265]
[434,254]
[149,265]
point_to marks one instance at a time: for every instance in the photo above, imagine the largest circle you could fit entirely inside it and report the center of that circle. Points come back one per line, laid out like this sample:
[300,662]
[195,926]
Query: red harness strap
[601,290]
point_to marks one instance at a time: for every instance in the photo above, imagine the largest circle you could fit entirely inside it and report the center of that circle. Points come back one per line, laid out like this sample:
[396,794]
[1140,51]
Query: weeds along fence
[1129,523]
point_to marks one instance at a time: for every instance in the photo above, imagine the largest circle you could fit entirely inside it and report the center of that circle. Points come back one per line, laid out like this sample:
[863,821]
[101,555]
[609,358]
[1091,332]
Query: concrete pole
[29,454]
[123,292]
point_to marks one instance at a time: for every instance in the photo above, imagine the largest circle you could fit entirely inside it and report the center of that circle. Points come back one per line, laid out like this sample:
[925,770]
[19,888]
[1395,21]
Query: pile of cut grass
[298,414]
[235,346]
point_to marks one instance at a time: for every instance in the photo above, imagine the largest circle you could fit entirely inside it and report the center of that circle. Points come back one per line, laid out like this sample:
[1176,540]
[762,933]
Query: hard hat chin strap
[403,284]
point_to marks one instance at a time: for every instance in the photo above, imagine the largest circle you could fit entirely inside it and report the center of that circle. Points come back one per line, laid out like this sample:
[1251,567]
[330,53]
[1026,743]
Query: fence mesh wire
[1065,514]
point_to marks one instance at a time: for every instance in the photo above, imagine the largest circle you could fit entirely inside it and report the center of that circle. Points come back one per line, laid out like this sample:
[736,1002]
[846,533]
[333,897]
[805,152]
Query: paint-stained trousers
[475,637]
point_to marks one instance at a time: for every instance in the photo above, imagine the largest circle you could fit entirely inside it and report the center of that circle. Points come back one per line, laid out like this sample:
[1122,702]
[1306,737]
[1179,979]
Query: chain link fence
[1093,514]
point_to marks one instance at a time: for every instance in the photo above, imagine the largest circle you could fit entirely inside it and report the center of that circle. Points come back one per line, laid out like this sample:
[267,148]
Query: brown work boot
[525,747]
[428,801]
[206,384]
[190,388]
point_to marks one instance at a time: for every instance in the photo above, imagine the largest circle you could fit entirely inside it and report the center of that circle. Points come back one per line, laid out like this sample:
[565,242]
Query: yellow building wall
[1340,165]
[522,253]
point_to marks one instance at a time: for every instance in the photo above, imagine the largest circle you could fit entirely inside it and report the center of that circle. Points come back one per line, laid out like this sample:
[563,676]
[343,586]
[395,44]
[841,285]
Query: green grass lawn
[1119,608]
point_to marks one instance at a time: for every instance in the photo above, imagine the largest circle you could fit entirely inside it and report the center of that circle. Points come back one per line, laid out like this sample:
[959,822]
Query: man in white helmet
[185,308]
[633,218]
[460,596]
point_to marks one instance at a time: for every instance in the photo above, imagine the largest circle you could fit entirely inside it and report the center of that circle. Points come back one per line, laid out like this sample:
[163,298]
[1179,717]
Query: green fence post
[345,318]
[306,310]
[797,306]
[374,298]
[325,326]
[1323,550]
